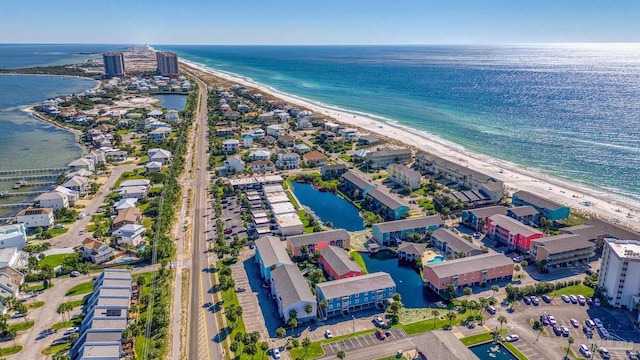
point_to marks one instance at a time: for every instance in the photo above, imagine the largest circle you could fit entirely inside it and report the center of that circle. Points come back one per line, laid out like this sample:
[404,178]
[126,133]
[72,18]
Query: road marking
[202,321]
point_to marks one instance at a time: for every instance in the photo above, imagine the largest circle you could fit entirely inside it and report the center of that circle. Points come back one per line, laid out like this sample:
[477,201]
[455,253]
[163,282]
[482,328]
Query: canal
[329,207]
[408,281]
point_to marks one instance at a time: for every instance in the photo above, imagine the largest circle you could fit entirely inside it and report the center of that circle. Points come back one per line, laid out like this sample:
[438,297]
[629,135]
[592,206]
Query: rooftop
[412,248]
[292,287]
[338,259]
[563,243]
[457,168]
[32,211]
[355,285]
[614,229]
[470,264]
[625,249]
[272,251]
[442,345]
[488,211]
[415,223]
[356,180]
[538,200]
[513,225]
[314,238]
[385,199]
[525,210]
[453,240]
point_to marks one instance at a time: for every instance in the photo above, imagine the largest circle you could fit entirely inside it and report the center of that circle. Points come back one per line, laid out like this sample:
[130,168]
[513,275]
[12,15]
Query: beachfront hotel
[113,64]
[618,273]
[167,63]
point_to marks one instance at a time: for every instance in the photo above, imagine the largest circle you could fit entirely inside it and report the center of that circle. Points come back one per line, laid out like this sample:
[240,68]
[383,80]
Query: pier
[34,171]
[29,177]
[22,193]
[16,205]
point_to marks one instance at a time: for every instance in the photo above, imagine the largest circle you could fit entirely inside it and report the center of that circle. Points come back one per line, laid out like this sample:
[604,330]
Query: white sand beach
[604,205]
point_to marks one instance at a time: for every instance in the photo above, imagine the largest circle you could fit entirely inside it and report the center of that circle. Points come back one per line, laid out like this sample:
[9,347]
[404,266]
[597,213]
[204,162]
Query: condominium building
[404,176]
[562,250]
[511,232]
[619,271]
[548,209]
[113,64]
[354,293]
[382,158]
[468,271]
[167,63]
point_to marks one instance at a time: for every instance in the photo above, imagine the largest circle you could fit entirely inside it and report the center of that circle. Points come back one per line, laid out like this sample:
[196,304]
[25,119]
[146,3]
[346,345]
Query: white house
[14,235]
[95,251]
[133,192]
[275,130]
[80,172]
[136,182]
[72,195]
[247,141]
[260,154]
[52,200]
[81,164]
[258,133]
[116,155]
[404,176]
[10,281]
[262,166]
[153,166]
[289,161]
[35,218]
[172,115]
[159,134]
[230,146]
[96,156]
[349,134]
[124,204]
[160,155]
[234,163]
[292,293]
[131,234]
[302,148]
[13,257]
[76,183]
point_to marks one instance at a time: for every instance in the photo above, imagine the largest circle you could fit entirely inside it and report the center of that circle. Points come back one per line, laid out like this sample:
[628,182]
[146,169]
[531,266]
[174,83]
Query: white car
[276,353]
[512,338]
[328,334]
[597,322]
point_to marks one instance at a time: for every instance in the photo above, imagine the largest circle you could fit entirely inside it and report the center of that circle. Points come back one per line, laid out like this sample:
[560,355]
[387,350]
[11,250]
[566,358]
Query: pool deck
[428,255]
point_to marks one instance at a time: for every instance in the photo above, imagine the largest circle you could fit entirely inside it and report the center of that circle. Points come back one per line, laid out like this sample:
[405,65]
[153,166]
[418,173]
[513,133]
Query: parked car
[604,353]
[590,323]
[574,299]
[581,300]
[598,322]
[565,298]
[584,350]
[518,258]
[328,334]
[241,289]
[546,299]
[276,353]
[378,321]
[575,323]
[552,319]
[228,231]
[596,302]
[589,301]
[565,330]
[535,301]
[380,334]
[512,338]
[589,272]
[75,273]
[527,300]
[556,330]
[544,319]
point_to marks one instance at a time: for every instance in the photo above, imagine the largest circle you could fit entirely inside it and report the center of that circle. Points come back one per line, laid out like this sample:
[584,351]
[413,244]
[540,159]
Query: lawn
[478,339]
[67,324]
[357,257]
[75,304]
[23,325]
[143,160]
[574,290]
[83,288]
[36,287]
[429,324]
[56,349]
[10,350]
[35,305]
[56,232]
[53,260]
[128,175]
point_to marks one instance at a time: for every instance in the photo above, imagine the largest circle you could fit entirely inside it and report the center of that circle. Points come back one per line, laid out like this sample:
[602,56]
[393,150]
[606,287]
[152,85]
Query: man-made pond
[329,207]
[491,351]
[172,102]
[408,282]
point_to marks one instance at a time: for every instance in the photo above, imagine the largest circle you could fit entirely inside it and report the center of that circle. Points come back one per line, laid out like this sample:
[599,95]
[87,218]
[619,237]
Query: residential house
[172,116]
[10,282]
[275,130]
[477,218]
[286,140]
[301,148]
[336,263]
[33,218]
[452,244]
[467,272]
[526,214]
[234,163]
[548,209]
[291,291]
[316,241]
[354,186]
[247,141]
[487,188]
[393,232]
[72,196]
[368,140]
[270,253]
[52,200]
[260,154]
[80,172]
[230,146]
[159,155]
[116,155]
[130,215]
[564,250]
[315,158]
[13,257]
[349,134]
[330,172]
[13,235]
[383,158]
[96,156]
[124,204]
[136,182]
[159,134]
[330,126]
[262,166]
[411,251]
[511,232]
[385,205]
[441,345]
[76,183]
[96,251]
[351,294]
[131,234]
[288,161]
[81,164]
[404,176]
[153,167]
[133,192]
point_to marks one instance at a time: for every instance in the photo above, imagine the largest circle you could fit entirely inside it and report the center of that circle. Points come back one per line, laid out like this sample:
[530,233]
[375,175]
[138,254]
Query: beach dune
[593,202]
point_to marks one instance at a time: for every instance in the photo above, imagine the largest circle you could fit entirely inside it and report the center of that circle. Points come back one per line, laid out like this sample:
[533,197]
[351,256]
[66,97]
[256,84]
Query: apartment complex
[469,271]
[113,64]
[452,245]
[619,271]
[317,241]
[562,250]
[511,232]
[355,293]
[167,63]
[548,209]
[292,293]
[382,158]
[393,232]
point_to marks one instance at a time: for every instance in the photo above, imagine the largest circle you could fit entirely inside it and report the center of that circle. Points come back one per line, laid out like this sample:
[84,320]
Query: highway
[202,324]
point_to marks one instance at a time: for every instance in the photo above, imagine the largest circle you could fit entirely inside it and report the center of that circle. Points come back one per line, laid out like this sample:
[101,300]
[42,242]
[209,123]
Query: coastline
[602,204]
[77,133]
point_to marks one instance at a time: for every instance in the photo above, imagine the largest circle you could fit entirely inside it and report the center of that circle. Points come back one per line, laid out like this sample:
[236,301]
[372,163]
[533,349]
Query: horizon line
[355,44]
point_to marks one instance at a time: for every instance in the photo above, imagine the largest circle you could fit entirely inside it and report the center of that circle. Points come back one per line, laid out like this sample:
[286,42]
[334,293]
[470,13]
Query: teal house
[270,253]
[548,209]
[393,232]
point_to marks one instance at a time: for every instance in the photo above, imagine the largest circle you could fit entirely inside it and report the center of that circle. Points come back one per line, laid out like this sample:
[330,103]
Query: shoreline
[77,133]
[602,204]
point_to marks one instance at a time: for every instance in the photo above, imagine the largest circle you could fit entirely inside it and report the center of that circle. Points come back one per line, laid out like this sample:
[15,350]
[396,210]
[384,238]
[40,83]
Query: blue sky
[319,21]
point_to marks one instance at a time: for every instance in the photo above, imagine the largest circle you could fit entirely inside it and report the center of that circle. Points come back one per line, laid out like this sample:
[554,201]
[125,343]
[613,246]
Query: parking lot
[362,341]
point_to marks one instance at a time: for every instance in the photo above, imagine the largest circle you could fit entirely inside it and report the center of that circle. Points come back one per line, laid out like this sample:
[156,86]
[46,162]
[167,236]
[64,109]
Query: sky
[312,22]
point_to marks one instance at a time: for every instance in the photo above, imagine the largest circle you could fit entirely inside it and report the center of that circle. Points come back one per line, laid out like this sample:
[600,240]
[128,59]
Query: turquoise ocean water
[567,110]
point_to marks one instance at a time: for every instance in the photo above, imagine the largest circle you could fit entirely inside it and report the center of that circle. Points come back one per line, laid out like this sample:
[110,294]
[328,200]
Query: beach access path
[604,205]
[76,234]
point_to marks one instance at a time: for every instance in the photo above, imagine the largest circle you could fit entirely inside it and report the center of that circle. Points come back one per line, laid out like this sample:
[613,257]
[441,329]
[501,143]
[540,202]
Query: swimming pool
[437,259]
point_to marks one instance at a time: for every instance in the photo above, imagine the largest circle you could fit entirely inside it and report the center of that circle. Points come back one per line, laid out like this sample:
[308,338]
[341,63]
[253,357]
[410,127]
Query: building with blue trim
[270,253]
[393,232]
[548,209]
[355,293]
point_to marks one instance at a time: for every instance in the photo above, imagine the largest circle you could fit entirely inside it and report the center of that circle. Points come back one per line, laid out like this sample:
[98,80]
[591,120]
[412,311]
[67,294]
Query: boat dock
[16,205]
[19,172]
[29,177]
[22,193]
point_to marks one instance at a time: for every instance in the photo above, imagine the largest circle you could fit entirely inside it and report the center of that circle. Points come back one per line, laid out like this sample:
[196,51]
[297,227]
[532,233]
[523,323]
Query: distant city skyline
[337,22]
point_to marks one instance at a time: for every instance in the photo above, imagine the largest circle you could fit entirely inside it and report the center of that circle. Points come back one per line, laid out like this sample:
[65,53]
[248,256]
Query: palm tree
[451,316]
[468,291]
[435,314]
[502,320]
[308,309]
[524,264]
[451,289]
[306,344]
[570,341]
[495,289]
[484,303]
[516,268]
[264,346]
[12,333]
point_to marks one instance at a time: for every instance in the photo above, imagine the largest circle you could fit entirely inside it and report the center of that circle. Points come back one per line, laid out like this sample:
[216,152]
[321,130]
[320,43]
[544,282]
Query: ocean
[571,110]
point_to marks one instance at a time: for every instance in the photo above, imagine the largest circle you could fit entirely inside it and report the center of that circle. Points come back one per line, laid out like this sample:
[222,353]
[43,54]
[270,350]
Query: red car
[228,231]
[380,334]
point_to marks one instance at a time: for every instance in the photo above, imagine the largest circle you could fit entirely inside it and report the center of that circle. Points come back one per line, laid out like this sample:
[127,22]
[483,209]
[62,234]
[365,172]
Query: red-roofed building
[511,232]
[337,264]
